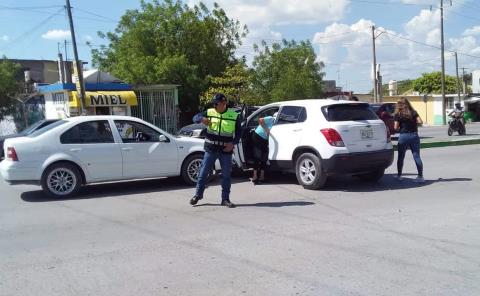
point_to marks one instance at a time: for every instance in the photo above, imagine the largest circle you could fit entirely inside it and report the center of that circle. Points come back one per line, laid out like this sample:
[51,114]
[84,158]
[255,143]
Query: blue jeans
[412,141]
[207,164]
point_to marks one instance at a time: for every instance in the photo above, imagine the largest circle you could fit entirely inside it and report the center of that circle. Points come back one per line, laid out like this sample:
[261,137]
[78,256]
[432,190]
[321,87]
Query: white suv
[319,138]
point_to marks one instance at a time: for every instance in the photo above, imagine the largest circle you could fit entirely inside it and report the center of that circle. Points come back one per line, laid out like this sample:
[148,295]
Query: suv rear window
[348,112]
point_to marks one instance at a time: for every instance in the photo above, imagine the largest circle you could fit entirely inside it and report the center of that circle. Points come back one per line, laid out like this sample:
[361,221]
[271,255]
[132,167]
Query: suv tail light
[12,154]
[333,137]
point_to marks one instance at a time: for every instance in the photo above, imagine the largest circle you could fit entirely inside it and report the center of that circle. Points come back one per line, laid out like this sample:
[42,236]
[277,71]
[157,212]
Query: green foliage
[234,83]
[287,71]
[171,43]
[9,86]
[431,83]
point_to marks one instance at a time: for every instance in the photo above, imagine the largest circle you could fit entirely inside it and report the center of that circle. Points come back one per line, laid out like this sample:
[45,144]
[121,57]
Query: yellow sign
[104,98]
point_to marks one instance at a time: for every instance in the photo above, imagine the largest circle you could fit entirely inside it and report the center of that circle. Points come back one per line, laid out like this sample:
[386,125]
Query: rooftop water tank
[392,88]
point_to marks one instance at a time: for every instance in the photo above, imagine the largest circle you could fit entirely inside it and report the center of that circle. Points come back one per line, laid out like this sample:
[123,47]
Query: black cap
[217,98]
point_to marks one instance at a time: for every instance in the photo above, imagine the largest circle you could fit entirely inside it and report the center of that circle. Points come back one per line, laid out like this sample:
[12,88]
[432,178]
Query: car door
[92,144]
[286,134]
[243,150]
[144,153]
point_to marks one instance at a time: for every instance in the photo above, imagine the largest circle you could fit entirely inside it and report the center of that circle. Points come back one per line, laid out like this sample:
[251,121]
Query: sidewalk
[436,136]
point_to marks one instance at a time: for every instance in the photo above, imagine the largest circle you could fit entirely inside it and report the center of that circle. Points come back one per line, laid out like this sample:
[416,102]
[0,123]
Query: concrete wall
[426,110]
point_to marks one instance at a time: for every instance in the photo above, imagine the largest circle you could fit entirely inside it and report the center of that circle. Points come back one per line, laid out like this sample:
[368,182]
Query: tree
[431,83]
[9,85]
[234,83]
[287,71]
[170,42]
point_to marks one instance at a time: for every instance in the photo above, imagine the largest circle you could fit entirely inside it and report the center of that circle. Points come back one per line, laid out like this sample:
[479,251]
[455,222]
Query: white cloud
[421,2]
[353,43]
[5,38]
[466,44]
[472,31]
[423,24]
[261,17]
[56,35]
[280,12]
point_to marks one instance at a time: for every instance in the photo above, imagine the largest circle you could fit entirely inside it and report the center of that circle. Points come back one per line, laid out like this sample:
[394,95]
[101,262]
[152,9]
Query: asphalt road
[352,238]
[431,133]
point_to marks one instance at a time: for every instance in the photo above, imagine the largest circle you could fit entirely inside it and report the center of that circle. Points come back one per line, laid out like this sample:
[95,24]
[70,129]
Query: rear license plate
[366,133]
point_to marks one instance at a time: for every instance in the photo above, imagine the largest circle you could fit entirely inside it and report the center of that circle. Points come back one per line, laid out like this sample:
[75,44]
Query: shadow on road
[113,189]
[266,204]
[354,184]
[334,183]
[387,183]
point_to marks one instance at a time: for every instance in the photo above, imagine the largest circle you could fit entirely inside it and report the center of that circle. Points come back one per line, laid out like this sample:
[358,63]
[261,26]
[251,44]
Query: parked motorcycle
[456,124]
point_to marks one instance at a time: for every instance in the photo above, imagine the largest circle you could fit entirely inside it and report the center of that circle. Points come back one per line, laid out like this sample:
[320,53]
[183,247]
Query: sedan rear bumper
[13,173]
[355,163]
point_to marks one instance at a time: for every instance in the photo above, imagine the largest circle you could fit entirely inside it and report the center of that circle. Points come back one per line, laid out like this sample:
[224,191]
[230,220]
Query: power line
[32,30]
[28,7]
[465,16]
[94,14]
[34,9]
[388,3]
[430,45]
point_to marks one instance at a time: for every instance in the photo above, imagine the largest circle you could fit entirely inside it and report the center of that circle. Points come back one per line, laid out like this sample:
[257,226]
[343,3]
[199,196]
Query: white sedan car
[90,149]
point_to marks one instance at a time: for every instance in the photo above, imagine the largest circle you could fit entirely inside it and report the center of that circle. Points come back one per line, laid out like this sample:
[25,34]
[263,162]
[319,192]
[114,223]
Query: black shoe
[227,203]
[195,199]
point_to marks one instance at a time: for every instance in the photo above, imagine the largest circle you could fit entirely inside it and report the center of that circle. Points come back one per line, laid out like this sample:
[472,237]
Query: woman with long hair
[260,147]
[406,123]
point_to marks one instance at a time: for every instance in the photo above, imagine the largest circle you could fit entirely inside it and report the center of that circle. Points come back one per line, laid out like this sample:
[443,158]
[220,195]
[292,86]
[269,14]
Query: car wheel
[309,171]
[450,131]
[61,180]
[373,176]
[191,169]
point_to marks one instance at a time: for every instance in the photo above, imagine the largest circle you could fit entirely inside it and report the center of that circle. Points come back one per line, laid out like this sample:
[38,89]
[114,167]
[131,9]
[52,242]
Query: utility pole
[60,65]
[464,84]
[80,85]
[66,69]
[444,100]
[375,84]
[458,78]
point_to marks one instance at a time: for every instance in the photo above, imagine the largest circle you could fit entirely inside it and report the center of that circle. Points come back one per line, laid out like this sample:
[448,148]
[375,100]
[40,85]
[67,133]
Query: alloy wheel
[307,171]
[193,169]
[61,181]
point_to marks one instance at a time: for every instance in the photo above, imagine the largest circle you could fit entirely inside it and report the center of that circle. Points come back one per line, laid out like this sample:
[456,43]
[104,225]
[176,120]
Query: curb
[446,143]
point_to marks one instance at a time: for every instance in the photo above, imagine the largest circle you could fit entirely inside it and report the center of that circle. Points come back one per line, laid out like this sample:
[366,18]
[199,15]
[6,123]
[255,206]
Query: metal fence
[158,107]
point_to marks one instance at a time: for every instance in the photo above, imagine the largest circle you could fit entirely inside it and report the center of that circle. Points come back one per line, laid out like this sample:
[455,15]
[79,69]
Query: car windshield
[375,108]
[348,112]
[46,128]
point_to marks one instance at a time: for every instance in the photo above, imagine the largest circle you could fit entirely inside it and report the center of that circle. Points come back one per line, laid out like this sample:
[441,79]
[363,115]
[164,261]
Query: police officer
[223,132]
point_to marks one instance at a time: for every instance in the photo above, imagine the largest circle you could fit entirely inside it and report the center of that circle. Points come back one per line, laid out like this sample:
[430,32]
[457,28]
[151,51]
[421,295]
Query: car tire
[373,176]
[61,180]
[191,169]
[309,171]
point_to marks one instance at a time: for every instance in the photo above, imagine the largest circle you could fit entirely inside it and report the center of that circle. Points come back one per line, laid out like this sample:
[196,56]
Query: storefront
[104,102]
[62,100]
[107,95]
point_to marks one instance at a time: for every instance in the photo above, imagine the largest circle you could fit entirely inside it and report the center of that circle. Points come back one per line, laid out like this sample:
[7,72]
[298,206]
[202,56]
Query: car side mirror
[162,138]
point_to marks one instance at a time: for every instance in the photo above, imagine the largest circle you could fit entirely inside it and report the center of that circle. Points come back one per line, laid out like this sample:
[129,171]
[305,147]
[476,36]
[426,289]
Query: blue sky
[338,29]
